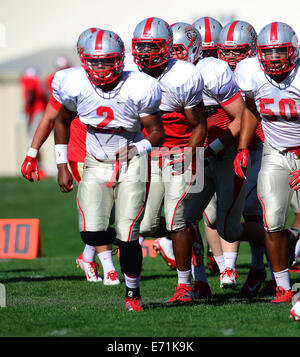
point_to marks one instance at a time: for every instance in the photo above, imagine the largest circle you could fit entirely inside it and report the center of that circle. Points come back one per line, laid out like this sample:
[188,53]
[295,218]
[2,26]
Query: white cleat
[295,311]
[90,269]
[164,247]
[228,278]
[111,278]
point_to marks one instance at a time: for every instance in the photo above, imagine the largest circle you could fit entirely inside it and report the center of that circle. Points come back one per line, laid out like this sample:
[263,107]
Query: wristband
[61,153]
[32,152]
[216,146]
[144,146]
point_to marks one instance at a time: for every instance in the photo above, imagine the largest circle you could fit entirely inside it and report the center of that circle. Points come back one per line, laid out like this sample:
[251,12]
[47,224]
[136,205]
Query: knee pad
[131,257]
[98,238]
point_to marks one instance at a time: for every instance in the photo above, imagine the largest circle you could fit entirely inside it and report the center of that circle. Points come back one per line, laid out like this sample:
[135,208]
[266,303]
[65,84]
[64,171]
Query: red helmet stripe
[273,32]
[207,33]
[147,28]
[98,43]
[231,31]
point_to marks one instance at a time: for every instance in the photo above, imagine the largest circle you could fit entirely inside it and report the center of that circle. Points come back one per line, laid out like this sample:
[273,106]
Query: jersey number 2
[107,115]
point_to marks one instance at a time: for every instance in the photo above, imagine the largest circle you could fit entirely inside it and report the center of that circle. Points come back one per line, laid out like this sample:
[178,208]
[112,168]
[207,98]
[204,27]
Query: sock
[89,253]
[106,261]
[257,257]
[199,273]
[132,282]
[230,259]
[220,261]
[184,277]
[283,279]
[141,240]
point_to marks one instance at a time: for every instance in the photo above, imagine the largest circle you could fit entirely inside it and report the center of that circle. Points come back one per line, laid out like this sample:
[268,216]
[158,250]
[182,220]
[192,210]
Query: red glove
[295,181]
[240,163]
[30,169]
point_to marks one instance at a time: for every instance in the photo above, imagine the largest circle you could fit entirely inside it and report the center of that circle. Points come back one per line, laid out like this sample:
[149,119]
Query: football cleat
[269,288]
[183,294]
[228,278]
[90,269]
[111,278]
[164,247]
[212,266]
[201,290]
[283,295]
[254,280]
[133,304]
[295,311]
[294,269]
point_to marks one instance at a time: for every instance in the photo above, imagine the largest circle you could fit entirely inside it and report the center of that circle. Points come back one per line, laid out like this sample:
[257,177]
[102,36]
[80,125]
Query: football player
[76,155]
[225,108]
[185,127]
[209,29]
[34,104]
[270,82]
[237,41]
[113,104]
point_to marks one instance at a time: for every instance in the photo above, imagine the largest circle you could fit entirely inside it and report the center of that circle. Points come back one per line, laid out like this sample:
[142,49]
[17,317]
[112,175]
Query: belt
[294,149]
[108,131]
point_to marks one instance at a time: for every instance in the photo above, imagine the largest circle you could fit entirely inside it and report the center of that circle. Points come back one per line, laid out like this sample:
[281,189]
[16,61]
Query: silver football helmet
[209,29]
[187,43]
[82,37]
[277,48]
[152,43]
[237,41]
[103,57]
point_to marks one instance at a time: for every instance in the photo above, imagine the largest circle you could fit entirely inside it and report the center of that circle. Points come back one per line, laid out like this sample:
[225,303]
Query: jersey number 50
[270,115]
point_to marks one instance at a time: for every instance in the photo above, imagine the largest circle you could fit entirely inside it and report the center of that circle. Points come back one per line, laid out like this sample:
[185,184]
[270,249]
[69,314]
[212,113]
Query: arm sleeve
[150,101]
[61,92]
[244,80]
[192,89]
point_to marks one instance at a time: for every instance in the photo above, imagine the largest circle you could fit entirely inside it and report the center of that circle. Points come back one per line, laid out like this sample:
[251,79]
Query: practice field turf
[50,297]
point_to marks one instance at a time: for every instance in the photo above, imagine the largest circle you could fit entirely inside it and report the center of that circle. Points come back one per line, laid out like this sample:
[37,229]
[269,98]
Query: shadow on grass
[214,300]
[37,279]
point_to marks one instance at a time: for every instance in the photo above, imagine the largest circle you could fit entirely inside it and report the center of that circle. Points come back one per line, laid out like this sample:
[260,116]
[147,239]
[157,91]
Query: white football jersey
[219,81]
[137,95]
[180,84]
[277,103]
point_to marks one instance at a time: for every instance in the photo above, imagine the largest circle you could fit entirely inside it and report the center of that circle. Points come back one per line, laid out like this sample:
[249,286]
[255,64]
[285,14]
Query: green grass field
[50,297]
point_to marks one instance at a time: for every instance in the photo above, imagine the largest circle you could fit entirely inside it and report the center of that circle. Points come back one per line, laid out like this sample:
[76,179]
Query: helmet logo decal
[190,33]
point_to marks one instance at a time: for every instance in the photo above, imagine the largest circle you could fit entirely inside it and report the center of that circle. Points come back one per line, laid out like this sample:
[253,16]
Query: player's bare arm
[235,110]
[45,127]
[197,121]
[61,138]
[249,124]
[154,126]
